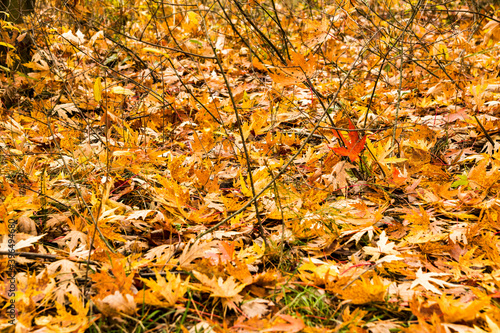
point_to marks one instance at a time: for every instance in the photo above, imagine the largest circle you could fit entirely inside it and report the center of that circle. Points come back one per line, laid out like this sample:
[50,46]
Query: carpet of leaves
[253,167]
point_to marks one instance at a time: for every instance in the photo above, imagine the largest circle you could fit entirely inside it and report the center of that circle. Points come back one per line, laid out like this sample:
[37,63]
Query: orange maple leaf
[287,324]
[297,70]
[353,146]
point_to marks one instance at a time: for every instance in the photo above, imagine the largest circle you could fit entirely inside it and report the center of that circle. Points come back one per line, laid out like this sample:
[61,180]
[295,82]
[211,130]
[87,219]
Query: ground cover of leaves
[252,167]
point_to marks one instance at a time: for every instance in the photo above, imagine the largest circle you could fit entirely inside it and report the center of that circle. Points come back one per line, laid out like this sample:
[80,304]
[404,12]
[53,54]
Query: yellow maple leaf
[261,178]
[318,274]
[116,304]
[166,291]
[65,321]
[365,291]
[383,247]
[297,70]
[195,251]
[192,22]
[455,310]
[381,151]
[240,271]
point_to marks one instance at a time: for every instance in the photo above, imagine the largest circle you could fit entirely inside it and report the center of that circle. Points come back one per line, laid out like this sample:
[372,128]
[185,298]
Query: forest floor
[251,166]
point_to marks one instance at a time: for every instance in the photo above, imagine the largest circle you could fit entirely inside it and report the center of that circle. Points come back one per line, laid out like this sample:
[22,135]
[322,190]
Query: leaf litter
[339,174]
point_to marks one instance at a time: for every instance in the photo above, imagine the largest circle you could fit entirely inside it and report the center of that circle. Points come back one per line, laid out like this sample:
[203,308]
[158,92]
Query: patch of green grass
[313,305]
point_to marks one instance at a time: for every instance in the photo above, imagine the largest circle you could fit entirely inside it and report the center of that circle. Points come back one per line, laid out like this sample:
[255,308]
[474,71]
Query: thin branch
[30,255]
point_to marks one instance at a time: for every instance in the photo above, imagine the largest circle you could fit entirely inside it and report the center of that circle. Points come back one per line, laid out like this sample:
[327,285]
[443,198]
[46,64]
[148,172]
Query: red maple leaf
[353,146]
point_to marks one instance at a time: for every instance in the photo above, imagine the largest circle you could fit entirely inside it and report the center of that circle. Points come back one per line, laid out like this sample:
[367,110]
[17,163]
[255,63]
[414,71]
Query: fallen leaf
[353,146]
